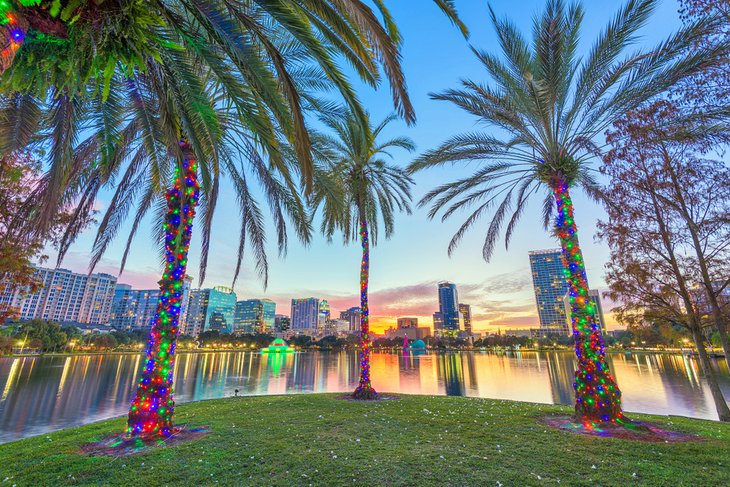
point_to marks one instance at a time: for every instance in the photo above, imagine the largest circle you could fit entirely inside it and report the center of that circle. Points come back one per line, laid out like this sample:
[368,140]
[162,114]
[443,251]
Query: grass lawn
[417,440]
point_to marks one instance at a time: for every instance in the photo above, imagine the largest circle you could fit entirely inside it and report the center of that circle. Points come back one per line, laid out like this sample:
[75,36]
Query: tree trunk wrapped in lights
[12,34]
[597,396]
[152,409]
[364,388]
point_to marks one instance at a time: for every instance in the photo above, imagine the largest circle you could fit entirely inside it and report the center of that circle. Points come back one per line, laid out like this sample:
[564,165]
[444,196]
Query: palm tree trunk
[152,409]
[364,388]
[723,412]
[597,396]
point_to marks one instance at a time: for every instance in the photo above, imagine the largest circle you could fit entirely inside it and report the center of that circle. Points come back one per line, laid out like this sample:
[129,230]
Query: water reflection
[41,394]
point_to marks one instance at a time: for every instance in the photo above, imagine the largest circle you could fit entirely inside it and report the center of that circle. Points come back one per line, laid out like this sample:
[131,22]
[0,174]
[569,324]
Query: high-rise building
[211,309]
[449,315]
[282,323]
[305,315]
[438,322]
[595,296]
[254,316]
[336,327]
[134,309]
[465,310]
[550,285]
[406,322]
[65,297]
[352,315]
[324,314]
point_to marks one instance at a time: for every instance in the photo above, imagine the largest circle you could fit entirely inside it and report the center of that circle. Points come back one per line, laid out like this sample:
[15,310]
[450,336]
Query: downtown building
[550,286]
[595,296]
[305,316]
[407,322]
[465,310]
[210,310]
[65,297]
[352,316]
[254,316]
[282,323]
[407,327]
[447,320]
[336,327]
[134,309]
[323,316]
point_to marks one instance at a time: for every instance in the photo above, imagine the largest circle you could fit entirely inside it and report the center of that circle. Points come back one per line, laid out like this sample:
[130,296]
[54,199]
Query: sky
[406,268]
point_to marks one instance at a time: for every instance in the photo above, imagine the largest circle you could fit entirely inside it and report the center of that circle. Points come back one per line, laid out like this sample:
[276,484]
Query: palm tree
[84,37]
[188,91]
[357,189]
[551,103]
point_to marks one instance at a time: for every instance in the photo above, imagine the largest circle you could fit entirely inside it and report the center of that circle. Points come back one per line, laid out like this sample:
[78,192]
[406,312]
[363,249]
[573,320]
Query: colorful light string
[152,409]
[14,28]
[364,388]
[597,396]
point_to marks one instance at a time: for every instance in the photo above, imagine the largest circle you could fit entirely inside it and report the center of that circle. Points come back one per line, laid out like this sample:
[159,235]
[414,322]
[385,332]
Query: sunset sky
[405,269]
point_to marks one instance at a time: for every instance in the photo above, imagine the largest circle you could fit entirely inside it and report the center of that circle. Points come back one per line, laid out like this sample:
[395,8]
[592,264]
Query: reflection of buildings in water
[39,394]
[303,376]
[409,368]
[451,372]
[347,372]
[682,382]
[63,392]
[216,372]
[561,370]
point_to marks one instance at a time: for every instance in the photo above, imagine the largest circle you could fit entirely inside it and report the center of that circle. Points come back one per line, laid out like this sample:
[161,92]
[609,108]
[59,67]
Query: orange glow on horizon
[379,324]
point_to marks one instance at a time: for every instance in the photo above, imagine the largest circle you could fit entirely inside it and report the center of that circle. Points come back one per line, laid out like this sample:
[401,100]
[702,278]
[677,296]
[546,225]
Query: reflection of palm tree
[471,367]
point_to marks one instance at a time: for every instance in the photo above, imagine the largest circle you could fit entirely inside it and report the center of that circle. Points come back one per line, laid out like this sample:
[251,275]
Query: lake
[43,394]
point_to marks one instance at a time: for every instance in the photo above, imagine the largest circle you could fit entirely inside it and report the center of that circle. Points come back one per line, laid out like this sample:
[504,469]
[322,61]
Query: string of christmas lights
[364,388]
[597,397]
[12,28]
[153,406]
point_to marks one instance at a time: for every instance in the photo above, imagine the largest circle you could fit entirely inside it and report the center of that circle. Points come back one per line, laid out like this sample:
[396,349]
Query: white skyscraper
[66,296]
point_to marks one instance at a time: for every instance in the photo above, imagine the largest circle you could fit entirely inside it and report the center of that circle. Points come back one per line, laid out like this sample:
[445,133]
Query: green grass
[418,440]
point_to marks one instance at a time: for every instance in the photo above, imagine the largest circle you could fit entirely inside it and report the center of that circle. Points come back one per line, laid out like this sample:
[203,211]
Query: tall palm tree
[357,190]
[182,91]
[551,103]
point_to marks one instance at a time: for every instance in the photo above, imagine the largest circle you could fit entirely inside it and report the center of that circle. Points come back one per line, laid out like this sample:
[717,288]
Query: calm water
[42,394]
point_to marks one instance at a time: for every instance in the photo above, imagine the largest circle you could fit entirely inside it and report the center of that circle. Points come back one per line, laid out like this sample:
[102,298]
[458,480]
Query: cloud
[507,283]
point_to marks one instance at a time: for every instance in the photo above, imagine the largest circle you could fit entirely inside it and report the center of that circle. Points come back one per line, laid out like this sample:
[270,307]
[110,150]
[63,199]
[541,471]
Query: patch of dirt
[123,445]
[633,431]
[381,397]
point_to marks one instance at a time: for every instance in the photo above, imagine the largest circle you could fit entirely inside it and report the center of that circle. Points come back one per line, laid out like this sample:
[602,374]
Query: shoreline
[691,353]
[417,440]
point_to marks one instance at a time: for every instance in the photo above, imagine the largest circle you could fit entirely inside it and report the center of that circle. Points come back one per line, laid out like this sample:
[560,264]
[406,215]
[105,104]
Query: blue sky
[404,270]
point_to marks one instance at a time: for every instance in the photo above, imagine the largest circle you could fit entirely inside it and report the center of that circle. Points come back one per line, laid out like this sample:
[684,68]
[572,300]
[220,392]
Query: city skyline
[500,292]
[132,308]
